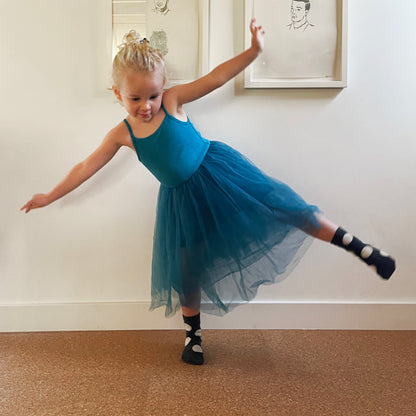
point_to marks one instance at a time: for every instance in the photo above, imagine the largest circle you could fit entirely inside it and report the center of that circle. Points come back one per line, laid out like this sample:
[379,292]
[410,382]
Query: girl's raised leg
[327,229]
[383,264]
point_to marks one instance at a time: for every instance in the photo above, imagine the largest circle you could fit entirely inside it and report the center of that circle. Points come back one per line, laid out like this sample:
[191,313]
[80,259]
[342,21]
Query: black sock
[383,263]
[192,354]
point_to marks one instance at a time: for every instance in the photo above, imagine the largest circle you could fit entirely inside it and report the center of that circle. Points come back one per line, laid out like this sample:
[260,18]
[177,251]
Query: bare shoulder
[172,106]
[119,135]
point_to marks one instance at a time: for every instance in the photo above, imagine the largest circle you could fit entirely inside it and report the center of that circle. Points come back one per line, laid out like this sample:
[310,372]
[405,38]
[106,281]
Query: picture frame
[303,48]
[180,31]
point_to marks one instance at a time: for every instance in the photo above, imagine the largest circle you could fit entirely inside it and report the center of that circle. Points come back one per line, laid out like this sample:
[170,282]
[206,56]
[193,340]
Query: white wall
[84,262]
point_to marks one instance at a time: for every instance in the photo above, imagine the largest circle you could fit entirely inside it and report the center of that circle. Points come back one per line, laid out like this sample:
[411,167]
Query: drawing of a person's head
[161,6]
[300,10]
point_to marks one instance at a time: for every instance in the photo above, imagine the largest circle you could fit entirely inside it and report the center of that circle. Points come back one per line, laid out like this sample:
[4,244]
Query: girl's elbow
[84,170]
[217,80]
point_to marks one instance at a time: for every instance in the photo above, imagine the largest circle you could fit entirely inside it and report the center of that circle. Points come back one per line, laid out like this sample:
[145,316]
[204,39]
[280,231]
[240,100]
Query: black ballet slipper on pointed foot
[193,354]
[385,265]
[381,262]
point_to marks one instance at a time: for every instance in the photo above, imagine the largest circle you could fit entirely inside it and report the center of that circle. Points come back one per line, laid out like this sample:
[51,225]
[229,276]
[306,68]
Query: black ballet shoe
[192,354]
[380,261]
[383,264]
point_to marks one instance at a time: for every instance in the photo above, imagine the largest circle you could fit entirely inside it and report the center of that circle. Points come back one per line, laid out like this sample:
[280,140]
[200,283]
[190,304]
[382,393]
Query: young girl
[223,227]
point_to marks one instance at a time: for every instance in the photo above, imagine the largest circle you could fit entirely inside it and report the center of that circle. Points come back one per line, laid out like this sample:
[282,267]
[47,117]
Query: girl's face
[141,93]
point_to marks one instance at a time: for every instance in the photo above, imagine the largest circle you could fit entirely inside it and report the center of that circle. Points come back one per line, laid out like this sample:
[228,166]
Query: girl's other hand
[37,201]
[257,38]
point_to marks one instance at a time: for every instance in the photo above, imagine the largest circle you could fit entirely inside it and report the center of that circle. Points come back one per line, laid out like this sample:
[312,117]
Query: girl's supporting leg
[187,312]
[191,303]
[192,353]
[378,259]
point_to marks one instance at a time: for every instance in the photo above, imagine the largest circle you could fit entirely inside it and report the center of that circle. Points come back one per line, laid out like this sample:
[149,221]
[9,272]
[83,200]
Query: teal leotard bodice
[173,153]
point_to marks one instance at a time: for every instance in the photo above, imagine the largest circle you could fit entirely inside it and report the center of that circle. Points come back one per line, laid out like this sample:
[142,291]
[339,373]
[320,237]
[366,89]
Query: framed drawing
[306,44]
[179,28]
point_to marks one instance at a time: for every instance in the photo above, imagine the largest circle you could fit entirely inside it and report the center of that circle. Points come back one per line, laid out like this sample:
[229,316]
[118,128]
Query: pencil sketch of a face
[299,12]
[161,6]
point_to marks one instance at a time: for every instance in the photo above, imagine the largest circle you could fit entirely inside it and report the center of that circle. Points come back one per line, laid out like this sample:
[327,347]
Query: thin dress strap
[129,127]
[164,109]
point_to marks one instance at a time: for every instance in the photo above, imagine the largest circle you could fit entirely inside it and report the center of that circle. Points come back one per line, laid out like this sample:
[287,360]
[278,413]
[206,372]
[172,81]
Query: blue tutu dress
[223,227]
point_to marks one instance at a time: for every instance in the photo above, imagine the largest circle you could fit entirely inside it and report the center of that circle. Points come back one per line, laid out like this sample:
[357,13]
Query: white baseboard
[97,316]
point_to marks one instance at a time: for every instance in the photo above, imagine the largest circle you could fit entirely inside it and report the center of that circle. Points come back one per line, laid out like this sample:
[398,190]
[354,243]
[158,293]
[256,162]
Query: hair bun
[131,37]
[138,54]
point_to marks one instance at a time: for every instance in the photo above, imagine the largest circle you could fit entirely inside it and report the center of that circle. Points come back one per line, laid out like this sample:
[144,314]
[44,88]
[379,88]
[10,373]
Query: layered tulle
[227,230]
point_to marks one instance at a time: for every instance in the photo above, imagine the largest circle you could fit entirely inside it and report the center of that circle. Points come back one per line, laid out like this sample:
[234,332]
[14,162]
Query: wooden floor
[255,372]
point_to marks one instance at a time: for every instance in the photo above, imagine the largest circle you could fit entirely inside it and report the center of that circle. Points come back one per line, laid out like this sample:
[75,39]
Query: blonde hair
[137,54]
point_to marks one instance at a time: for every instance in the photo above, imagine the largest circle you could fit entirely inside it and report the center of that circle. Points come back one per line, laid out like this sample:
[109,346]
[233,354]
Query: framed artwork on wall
[179,28]
[305,45]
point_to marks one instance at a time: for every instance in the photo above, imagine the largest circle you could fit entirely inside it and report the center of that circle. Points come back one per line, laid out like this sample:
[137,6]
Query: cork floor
[255,372]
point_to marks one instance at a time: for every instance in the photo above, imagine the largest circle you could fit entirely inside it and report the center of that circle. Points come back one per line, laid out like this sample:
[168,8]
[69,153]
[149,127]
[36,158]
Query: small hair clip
[144,40]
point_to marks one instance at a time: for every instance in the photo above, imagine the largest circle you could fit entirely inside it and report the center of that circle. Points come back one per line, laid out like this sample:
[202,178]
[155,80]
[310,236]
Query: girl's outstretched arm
[78,174]
[182,94]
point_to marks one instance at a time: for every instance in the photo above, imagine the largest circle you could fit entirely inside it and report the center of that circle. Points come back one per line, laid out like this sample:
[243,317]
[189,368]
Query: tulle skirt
[227,230]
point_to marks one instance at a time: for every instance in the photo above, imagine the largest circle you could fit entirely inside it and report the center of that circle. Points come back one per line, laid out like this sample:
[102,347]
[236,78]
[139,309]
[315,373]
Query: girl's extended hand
[37,201]
[257,38]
